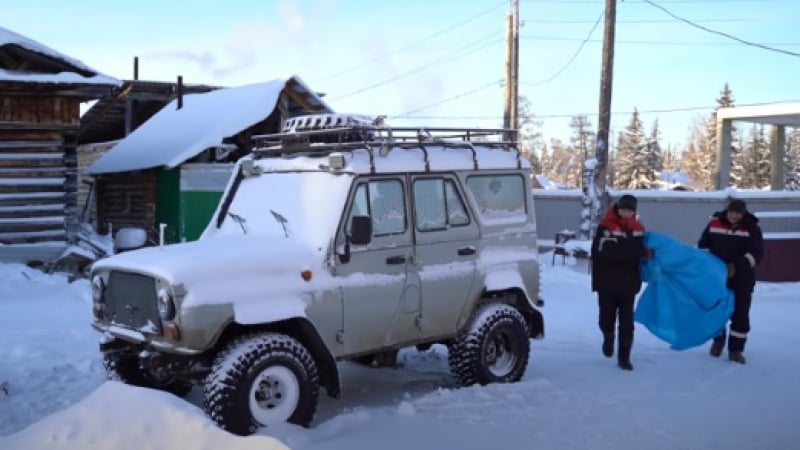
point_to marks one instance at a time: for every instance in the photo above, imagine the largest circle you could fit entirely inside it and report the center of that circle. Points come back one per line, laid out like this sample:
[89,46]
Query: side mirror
[361,230]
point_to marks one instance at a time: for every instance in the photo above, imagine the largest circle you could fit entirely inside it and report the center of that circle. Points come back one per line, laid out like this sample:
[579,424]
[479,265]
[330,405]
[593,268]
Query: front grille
[131,301]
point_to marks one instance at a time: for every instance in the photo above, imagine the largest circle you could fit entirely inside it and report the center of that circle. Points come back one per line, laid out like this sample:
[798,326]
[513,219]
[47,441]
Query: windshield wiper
[281,220]
[240,220]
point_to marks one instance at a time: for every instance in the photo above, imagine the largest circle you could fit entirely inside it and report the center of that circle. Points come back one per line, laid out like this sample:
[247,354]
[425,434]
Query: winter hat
[737,205]
[627,201]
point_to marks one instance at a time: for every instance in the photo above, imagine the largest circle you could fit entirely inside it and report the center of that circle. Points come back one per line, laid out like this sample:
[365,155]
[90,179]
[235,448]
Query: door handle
[466,251]
[398,259]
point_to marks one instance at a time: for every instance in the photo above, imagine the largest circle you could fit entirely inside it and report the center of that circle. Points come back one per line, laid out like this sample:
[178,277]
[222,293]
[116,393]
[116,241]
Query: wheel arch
[303,330]
[517,298]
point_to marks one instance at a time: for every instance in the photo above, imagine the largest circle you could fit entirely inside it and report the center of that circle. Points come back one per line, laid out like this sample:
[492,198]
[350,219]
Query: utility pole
[511,100]
[606,77]
[595,171]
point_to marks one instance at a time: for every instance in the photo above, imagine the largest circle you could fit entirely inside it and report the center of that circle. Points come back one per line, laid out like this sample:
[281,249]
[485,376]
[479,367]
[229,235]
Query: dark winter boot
[624,355]
[717,346]
[608,344]
[736,357]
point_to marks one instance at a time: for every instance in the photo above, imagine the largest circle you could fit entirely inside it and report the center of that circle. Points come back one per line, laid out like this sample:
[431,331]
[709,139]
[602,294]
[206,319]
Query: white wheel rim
[274,395]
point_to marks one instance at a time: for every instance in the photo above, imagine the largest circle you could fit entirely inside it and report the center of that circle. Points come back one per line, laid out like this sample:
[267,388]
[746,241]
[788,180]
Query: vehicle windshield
[303,206]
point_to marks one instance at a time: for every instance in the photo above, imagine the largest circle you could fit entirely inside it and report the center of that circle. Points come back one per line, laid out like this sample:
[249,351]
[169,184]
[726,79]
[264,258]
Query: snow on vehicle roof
[398,160]
[8,37]
[173,135]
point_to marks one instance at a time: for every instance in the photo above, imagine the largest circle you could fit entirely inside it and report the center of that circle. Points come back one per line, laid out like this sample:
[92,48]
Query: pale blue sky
[360,54]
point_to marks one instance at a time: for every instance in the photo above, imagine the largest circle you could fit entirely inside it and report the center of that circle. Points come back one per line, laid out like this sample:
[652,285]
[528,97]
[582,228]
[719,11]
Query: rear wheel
[261,380]
[493,349]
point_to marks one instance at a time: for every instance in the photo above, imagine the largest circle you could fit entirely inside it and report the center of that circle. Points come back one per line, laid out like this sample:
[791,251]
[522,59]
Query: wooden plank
[31,145]
[30,188]
[22,212]
[29,237]
[37,172]
[30,162]
[45,110]
[30,135]
[28,226]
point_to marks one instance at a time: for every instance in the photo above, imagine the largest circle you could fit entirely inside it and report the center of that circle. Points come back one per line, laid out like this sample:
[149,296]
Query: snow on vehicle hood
[215,258]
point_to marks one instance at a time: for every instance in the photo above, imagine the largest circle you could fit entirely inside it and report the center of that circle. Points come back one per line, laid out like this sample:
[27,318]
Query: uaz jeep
[336,239]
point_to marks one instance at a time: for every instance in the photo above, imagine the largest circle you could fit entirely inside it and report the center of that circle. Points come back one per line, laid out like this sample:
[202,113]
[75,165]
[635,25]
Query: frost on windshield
[499,198]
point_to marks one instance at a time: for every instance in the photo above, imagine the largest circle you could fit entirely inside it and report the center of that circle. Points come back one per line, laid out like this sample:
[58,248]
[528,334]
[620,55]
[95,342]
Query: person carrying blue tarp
[617,253]
[733,236]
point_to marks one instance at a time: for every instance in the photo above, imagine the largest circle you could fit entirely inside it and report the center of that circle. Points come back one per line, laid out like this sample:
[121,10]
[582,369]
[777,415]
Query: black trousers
[740,321]
[613,305]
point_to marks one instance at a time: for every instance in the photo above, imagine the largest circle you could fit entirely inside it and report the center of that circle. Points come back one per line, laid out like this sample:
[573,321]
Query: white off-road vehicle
[334,240]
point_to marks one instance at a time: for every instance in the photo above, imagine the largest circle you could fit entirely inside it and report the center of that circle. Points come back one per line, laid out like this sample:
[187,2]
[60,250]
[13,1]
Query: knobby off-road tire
[126,369]
[259,380]
[493,349]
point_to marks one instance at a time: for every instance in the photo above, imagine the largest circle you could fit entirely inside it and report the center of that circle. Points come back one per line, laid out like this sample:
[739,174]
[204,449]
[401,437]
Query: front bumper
[115,338]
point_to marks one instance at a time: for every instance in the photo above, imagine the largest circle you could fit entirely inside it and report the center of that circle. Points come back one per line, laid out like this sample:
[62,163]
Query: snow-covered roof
[82,73]
[787,114]
[172,136]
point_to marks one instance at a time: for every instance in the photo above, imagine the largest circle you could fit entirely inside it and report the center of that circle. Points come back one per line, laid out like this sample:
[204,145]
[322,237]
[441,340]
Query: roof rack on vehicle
[322,134]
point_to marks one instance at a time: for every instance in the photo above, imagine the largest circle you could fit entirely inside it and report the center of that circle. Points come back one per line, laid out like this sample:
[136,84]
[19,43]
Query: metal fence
[680,214]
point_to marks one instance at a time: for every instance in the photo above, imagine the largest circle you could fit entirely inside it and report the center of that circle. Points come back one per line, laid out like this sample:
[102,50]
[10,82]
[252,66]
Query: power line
[671,2]
[412,44]
[651,42]
[465,50]
[615,113]
[720,33]
[574,55]
[449,99]
[649,21]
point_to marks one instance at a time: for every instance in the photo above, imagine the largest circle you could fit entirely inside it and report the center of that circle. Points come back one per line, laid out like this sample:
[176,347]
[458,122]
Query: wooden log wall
[33,195]
[38,168]
[126,200]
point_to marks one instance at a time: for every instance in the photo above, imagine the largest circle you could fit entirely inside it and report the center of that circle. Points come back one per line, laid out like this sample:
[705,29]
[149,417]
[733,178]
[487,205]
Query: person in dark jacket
[617,251]
[733,235]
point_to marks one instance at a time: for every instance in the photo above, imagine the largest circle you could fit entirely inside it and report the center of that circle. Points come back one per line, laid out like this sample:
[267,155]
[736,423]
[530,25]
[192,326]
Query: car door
[380,306]
[447,240]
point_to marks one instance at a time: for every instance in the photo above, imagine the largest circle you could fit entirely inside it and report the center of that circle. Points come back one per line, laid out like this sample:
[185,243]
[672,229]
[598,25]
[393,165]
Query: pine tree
[756,160]
[792,161]
[724,100]
[582,139]
[697,161]
[739,175]
[633,169]
[656,154]
[530,135]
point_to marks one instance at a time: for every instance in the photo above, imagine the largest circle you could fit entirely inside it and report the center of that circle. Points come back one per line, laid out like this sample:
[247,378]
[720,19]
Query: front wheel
[260,380]
[493,349]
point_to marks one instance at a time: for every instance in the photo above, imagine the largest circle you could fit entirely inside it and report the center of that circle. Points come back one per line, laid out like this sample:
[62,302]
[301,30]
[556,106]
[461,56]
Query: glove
[649,253]
[731,270]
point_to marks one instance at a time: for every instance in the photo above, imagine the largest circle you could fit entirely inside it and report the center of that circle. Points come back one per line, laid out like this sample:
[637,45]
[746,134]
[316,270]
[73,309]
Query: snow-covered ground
[570,398]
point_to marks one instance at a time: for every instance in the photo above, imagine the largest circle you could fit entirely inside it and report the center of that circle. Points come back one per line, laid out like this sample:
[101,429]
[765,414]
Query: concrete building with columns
[779,116]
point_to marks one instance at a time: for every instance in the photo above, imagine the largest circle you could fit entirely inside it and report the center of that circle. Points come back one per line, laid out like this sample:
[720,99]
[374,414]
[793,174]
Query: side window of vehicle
[499,198]
[437,205]
[387,207]
[384,202]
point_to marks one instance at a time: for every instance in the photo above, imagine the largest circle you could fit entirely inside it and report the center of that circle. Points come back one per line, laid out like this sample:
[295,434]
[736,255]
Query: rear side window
[437,205]
[499,198]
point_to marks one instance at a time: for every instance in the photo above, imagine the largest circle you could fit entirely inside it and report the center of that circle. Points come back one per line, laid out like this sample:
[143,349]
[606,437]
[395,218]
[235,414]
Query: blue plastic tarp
[685,302]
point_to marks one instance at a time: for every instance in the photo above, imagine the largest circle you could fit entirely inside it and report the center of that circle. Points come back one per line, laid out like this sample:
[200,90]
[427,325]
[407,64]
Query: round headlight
[166,306]
[98,288]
